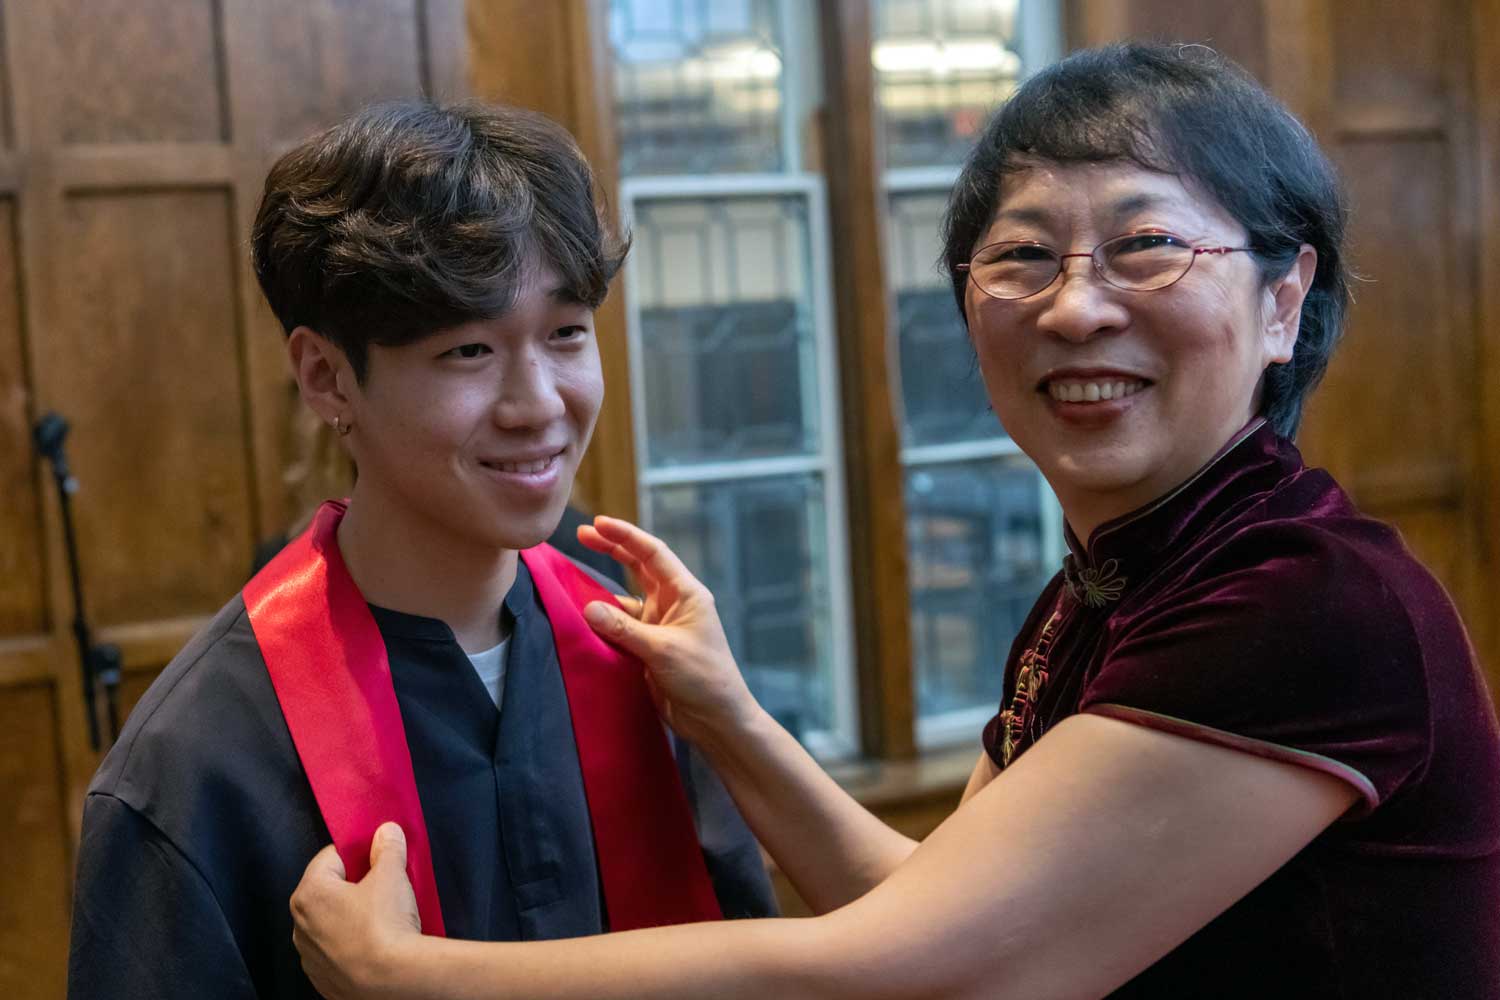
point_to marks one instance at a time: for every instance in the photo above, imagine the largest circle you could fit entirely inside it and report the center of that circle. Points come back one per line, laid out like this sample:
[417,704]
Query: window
[983,534]
[734,379]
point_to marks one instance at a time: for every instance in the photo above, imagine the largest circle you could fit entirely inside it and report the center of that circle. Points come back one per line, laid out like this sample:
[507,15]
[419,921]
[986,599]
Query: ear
[1284,298]
[324,375]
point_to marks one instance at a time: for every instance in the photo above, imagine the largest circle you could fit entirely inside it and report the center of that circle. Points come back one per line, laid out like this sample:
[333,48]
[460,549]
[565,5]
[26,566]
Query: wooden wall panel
[1389,60]
[22,603]
[1388,387]
[34,903]
[334,55]
[138,70]
[1396,421]
[146,353]
[1485,83]
[1237,29]
[142,133]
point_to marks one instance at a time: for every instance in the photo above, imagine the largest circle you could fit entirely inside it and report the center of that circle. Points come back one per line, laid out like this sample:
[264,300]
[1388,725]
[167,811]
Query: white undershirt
[490,666]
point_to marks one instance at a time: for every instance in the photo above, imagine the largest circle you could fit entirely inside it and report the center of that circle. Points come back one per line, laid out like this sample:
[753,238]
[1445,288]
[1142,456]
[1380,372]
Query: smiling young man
[417,653]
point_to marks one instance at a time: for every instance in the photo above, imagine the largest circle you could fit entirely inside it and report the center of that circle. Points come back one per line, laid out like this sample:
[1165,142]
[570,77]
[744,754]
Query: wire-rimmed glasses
[1136,262]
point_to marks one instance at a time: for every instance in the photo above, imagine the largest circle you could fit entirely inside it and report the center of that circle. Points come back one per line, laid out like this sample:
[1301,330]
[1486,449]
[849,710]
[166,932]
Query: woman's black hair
[408,218]
[1184,110]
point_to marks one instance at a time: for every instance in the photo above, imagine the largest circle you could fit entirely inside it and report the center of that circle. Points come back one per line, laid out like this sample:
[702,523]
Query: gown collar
[1124,550]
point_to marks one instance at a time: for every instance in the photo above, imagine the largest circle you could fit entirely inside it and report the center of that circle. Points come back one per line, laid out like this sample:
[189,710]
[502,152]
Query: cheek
[581,385]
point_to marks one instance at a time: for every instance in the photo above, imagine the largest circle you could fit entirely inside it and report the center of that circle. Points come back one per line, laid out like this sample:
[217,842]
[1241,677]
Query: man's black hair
[407,218]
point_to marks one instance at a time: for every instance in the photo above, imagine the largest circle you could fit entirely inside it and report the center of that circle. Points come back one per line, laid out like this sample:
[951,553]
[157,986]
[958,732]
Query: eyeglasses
[1137,262]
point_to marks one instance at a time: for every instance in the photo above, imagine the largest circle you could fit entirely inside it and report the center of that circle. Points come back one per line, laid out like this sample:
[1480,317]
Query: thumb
[326,866]
[388,851]
[388,872]
[618,627]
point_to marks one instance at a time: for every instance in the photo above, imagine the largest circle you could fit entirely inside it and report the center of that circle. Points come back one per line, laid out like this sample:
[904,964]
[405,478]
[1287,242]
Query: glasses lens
[1014,270]
[1145,261]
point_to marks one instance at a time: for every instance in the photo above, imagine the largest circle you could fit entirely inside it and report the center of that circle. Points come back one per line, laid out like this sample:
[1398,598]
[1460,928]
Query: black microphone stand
[100,663]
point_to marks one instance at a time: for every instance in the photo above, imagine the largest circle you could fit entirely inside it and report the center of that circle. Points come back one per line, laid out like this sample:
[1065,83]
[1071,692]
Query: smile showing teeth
[1093,392]
[523,468]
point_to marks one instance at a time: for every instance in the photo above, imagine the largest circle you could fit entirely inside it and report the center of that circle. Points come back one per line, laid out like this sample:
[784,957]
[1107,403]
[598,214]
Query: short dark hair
[1188,111]
[407,218]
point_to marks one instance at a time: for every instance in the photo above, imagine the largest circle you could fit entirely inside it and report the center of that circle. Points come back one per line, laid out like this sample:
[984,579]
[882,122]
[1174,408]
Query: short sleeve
[1283,642]
[145,923]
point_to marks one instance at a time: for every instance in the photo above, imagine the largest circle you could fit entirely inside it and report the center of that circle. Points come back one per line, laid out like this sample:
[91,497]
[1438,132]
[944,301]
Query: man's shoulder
[210,719]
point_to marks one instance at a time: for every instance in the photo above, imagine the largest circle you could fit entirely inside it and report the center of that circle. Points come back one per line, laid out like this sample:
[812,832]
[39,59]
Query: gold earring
[341,428]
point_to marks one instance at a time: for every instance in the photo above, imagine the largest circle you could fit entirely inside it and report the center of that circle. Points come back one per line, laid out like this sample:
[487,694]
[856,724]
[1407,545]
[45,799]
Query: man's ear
[1286,295]
[323,374]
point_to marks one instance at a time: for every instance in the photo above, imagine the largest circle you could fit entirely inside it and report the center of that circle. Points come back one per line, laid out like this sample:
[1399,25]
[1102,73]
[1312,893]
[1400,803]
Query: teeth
[1093,392]
[523,468]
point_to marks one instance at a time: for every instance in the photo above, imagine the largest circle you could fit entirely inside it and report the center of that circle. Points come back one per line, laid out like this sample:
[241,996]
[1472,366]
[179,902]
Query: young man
[437,272]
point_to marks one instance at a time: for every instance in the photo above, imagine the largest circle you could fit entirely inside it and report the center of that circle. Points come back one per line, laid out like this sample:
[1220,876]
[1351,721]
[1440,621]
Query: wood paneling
[1486,116]
[22,604]
[1390,56]
[146,352]
[334,55]
[869,386]
[137,70]
[142,135]
[34,903]
[1400,348]
[1236,29]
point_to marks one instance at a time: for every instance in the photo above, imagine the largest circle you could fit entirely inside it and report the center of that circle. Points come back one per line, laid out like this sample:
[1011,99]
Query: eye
[468,351]
[1146,242]
[570,333]
[1014,255]
[1024,253]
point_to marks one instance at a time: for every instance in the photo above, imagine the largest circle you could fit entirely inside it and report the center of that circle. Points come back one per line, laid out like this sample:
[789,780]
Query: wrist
[398,971]
[740,730]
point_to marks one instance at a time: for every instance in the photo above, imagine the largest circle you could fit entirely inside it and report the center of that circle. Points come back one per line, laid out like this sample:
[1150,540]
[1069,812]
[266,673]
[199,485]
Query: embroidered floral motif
[1030,679]
[1095,586]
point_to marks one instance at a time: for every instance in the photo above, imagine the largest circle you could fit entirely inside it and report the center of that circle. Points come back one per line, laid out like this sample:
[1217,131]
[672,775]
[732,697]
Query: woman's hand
[676,633]
[350,935]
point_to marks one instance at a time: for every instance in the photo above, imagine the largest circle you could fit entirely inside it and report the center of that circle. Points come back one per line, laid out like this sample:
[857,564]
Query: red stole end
[328,665]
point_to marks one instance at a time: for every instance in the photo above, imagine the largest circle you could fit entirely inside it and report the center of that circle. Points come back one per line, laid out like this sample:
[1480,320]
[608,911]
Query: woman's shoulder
[1307,545]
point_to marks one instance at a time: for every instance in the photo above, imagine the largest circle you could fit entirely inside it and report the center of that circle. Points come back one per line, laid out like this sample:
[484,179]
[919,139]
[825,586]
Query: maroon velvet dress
[1255,608]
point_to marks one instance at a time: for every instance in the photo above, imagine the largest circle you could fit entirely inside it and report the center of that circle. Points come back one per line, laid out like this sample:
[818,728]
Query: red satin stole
[328,664]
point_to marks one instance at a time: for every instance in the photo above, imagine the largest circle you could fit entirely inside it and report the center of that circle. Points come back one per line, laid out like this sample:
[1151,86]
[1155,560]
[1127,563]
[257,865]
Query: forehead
[1050,193]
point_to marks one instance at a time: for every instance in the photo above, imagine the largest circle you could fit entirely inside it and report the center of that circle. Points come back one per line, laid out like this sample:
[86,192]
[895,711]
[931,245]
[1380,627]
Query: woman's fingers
[648,555]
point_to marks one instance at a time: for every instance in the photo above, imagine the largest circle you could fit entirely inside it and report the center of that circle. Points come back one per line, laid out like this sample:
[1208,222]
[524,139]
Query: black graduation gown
[200,821]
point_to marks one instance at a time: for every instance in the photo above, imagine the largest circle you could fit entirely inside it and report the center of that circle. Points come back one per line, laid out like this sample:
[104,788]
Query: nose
[529,395]
[1080,304]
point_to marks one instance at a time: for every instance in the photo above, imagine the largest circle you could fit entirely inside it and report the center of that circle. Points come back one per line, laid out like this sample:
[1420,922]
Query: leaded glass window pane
[734,391]
[698,86]
[726,329]
[941,65]
[982,529]
[977,563]
[759,546]
[943,395]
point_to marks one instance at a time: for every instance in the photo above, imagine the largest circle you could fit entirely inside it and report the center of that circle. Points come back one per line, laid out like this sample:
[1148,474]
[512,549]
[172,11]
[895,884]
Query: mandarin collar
[518,601]
[1125,550]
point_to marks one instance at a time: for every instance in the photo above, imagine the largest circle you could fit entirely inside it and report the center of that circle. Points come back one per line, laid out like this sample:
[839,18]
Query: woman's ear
[1285,296]
[323,374]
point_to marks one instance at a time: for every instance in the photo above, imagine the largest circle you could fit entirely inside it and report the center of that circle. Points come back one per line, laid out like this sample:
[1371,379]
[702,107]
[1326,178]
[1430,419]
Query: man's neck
[411,565]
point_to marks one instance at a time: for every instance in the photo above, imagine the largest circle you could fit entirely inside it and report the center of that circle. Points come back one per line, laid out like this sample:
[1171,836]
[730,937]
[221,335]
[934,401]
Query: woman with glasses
[1244,747]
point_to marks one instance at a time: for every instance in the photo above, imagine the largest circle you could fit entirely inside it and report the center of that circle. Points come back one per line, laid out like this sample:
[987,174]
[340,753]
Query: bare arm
[1097,852]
